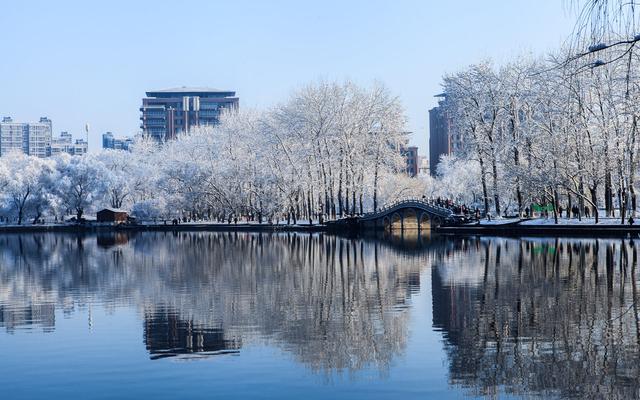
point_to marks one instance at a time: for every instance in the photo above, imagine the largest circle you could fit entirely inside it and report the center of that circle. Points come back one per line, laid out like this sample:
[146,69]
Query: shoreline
[511,229]
[507,229]
[163,228]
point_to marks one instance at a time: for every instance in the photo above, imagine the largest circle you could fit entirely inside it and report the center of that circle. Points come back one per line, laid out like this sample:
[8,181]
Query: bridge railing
[429,203]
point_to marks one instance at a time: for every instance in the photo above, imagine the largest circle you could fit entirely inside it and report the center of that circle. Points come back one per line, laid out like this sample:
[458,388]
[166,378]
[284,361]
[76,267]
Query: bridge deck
[416,204]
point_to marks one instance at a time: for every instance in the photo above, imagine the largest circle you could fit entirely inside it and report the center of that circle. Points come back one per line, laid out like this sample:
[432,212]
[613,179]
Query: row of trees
[331,150]
[560,131]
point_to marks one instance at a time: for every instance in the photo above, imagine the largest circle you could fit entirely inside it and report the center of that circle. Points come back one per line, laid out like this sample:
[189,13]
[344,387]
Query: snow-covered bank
[564,221]
[546,227]
[214,227]
[552,222]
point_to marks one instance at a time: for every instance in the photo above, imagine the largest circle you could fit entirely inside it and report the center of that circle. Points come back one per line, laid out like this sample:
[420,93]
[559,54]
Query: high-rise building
[109,141]
[443,138]
[410,155]
[39,138]
[168,112]
[30,138]
[12,136]
[65,144]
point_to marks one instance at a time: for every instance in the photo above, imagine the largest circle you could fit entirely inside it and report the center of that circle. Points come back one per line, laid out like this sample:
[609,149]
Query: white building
[62,144]
[11,136]
[30,138]
[80,147]
[423,166]
[65,144]
[109,141]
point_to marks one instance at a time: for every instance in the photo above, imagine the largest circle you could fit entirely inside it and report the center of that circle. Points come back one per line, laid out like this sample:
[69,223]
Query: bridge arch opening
[386,223]
[396,222]
[425,221]
[410,219]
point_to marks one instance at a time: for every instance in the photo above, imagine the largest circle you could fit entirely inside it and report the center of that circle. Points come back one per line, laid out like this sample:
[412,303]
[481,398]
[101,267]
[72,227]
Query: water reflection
[166,335]
[552,317]
[546,317]
[334,303]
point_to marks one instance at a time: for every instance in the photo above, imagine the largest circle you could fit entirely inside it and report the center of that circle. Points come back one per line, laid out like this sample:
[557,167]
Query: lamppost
[86,131]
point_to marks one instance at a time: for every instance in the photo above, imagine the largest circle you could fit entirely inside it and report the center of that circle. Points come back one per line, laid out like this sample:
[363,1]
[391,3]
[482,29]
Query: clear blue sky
[86,61]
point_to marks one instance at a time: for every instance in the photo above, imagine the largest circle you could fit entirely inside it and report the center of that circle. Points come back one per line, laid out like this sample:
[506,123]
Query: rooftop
[191,90]
[183,89]
[115,210]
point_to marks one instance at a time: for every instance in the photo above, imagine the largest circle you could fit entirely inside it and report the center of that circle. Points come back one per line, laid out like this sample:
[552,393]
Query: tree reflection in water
[334,303]
[553,317]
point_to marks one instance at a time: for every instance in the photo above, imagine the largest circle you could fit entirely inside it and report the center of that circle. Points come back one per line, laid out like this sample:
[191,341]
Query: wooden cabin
[112,215]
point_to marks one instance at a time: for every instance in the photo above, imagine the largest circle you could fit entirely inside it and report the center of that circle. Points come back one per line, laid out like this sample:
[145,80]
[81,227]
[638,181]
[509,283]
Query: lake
[296,315]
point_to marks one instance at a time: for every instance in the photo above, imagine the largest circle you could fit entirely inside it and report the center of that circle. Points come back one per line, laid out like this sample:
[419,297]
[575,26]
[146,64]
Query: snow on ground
[564,221]
[497,222]
[550,221]
[302,222]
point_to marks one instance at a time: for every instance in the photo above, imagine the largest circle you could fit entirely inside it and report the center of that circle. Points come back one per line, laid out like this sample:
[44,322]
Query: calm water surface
[242,315]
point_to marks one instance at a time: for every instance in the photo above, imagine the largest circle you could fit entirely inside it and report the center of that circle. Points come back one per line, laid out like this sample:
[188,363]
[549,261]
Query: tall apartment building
[30,138]
[443,138]
[168,112]
[411,158]
[109,141]
[65,144]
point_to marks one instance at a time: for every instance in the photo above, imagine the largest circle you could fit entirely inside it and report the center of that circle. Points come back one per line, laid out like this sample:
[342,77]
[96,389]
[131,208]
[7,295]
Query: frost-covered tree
[26,181]
[550,132]
[331,149]
[82,183]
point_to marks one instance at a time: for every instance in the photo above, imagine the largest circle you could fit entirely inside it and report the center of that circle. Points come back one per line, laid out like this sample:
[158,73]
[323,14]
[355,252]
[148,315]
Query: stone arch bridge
[408,214]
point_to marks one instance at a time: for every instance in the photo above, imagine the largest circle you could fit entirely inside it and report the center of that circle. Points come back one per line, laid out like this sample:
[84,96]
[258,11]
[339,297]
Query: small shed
[113,215]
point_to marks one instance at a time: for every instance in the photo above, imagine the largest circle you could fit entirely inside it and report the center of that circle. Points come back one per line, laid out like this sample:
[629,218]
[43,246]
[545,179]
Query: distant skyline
[80,62]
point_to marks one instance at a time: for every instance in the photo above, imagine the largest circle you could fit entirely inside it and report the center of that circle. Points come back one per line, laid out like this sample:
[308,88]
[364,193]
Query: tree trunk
[340,177]
[309,211]
[483,181]
[581,200]
[555,206]
[375,188]
[594,200]
[496,195]
[353,202]
[608,195]
[37,217]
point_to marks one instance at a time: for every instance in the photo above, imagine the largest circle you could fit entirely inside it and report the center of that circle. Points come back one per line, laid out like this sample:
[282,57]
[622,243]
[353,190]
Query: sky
[91,62]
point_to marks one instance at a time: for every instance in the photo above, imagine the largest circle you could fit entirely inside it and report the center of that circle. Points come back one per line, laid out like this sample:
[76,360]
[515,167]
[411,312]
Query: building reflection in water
[111,239]
[14,315]
[166,335]
[549,317]
[336,304]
